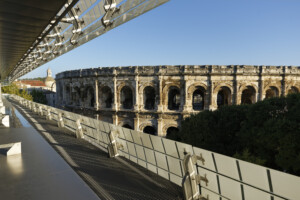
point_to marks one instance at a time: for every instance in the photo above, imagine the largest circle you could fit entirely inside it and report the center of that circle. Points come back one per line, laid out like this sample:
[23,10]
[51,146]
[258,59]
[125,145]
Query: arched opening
[174,98]
[76,93]
[68,94]
[198,98]
[172,131]
[150,130]
[105,97]
[89,96]
[272,92]
[127,126]
[149,98]
[293,90]
[126,98]
[248,95]
[224,97]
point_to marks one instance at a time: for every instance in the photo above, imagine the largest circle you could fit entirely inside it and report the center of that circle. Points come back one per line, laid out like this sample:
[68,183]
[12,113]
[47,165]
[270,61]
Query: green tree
[39,96]
[13,89]
[265,133]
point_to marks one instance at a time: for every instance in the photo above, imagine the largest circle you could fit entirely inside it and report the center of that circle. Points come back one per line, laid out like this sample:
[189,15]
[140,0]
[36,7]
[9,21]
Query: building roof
[33,83]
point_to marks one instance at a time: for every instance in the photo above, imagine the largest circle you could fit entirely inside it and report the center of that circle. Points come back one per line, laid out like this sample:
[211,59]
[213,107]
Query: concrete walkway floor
[110,178]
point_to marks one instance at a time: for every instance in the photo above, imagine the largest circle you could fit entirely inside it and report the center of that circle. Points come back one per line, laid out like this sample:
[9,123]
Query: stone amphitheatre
[155,99]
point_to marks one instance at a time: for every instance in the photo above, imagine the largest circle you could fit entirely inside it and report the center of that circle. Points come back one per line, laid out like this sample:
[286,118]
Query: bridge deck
[110,178]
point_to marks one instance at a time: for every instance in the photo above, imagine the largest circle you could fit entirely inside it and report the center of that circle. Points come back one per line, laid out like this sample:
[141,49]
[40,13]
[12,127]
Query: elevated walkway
[38,172]
[115,178]
[134,155]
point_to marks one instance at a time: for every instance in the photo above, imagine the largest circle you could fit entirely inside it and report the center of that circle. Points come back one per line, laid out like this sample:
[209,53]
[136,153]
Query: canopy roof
[21,23]
[33,32]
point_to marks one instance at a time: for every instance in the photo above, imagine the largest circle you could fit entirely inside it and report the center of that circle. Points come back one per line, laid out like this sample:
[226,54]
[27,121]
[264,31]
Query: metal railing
[202,174]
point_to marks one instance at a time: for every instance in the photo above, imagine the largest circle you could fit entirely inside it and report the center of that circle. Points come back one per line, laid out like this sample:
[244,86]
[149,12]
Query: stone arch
[248,95]
[89,96]
[223,95]
[149,96]
[174,98]
[105,97]
[126,96]
[126,124]
[271,91]
[165,92]
[76,95]
[293,89]
[53,87]
[168,130]
[150,130]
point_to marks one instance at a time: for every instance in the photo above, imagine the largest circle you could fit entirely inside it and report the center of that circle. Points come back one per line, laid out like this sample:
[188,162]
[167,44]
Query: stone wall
[155,99]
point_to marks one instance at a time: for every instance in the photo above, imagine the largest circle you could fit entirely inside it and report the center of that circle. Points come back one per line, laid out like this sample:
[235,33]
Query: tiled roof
[33,83]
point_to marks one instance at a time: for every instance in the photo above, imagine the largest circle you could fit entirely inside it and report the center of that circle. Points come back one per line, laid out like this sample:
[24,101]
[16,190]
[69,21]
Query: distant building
[155,99]
[48,86]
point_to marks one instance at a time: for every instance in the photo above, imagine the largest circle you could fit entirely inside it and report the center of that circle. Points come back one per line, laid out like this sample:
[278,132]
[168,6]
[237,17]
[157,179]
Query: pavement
[110,178]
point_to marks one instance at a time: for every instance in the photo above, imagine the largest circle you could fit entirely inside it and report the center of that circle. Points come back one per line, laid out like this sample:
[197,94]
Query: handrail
[202,174]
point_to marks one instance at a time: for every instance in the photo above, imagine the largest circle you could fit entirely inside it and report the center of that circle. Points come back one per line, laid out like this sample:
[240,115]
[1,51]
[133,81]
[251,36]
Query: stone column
[160,125]
[136,122]
[160,94]
[115,119]
[96,95]
[115,103]
[209,95]
[235,88]
[70,94]
[63,94]
[283,84]
[137,101]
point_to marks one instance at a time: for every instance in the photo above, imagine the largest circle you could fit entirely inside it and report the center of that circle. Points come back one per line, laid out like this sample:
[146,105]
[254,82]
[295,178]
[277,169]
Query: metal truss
[76,24]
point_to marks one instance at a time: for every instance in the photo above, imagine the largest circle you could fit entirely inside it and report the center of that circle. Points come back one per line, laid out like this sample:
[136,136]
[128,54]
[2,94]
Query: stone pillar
[136,122]
[64,94]
[235,88]
[115,103]
[209,95]
[283,84]
[160,126]
[137,101]
[260,85]
[96,95]
[185,103]
[115,119]
[70,94]
[160,94]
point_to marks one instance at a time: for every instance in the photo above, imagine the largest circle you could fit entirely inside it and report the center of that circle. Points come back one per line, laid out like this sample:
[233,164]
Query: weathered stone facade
[155,99]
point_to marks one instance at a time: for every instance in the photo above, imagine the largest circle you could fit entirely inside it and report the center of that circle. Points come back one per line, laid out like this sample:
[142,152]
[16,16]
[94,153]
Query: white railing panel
[227,166]
[230,188]
[285,185]
[208,159]
[254,175]
[170,147]
[253,193]
[157,143]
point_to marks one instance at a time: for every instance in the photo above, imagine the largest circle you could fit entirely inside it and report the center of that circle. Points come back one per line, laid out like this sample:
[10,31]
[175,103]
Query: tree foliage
[265,133]
[13,89]
[39,96]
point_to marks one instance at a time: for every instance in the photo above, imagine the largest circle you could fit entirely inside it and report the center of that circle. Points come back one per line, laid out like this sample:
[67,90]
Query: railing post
[33,107]
[40,110]
[79,131]
[48,116]
[113,146]
[60,122]
[191,179]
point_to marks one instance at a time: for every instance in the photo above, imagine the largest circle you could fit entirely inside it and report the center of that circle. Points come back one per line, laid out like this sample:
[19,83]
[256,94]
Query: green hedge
[13,89]
[265,133]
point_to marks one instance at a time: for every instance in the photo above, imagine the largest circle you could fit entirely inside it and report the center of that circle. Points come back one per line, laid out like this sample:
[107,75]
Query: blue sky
[200,32]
